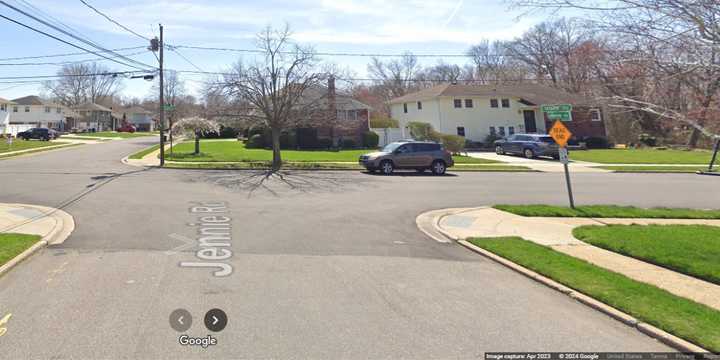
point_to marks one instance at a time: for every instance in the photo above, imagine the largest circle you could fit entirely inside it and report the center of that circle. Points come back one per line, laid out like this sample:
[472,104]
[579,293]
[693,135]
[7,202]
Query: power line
[73,36]
[66,42]
[113,21]
[113,73]
[68,54]
[255,51]
[65,62]
[174,49]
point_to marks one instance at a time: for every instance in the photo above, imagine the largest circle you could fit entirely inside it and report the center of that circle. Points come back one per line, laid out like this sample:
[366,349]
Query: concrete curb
[34,151]
[647,329]
[64,226]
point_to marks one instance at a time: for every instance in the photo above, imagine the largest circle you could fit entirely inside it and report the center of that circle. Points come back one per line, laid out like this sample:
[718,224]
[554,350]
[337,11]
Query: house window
[461,131]
[468,103]
[595,115]
[405,108]
[15,109]
[47,109]
[59,110]
[492,130]
[458,103]
[27,109]
[506,103]
[511,130]
[501,130]
[419,105]
[493,103]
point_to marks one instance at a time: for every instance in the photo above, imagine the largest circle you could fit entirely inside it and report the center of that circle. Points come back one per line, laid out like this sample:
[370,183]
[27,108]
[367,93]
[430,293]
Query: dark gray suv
[418,155]
[528,145]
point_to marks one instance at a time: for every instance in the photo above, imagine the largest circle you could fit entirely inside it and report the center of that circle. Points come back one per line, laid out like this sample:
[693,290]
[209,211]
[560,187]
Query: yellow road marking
[4,321]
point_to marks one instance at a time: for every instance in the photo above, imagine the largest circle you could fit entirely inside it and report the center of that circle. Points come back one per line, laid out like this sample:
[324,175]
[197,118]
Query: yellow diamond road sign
[560,133]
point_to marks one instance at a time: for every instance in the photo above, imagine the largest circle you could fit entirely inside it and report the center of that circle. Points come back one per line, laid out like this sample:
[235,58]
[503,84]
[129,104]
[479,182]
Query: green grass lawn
[662,169]
[13,244]
[141,154]
[18,145]
[642,156]
[124,135]
[232,151]
[690,249]
[682,317]
[608,211]
[306,165]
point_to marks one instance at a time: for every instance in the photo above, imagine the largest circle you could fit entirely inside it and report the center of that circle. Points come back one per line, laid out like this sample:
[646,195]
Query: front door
[529,116]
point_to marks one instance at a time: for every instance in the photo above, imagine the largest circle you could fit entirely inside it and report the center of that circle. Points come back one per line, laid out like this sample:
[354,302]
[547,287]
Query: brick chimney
[332,106]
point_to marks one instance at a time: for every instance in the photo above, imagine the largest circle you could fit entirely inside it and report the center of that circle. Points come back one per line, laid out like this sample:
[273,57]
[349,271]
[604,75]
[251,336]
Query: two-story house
[476,111]
[91,117]
[32,110]
[137,116]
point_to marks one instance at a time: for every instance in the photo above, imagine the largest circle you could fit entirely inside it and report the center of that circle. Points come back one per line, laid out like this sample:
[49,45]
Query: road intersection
[325,264]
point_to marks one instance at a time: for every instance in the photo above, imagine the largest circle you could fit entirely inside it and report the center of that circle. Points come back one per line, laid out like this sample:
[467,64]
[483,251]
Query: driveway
[539,164]
[323,264]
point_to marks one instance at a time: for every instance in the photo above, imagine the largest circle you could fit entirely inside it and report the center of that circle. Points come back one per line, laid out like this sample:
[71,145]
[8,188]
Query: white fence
[14,129]
[388,135]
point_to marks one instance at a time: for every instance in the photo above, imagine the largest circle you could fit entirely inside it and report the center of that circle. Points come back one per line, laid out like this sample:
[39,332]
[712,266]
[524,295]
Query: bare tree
[274,86]
[493,65]
[395,77]
[678,45]
[83,82]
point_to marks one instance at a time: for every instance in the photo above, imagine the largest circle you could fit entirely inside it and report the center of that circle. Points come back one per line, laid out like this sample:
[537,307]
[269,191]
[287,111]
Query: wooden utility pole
[162,100]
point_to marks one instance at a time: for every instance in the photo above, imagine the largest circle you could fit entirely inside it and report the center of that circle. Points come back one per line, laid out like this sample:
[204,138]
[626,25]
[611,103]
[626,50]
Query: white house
[32,110]
[475,111]
[140,118]
[91,116]
[4,116]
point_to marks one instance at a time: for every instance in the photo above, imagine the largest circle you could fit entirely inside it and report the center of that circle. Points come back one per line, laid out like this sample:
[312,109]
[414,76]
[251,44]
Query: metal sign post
[561,135]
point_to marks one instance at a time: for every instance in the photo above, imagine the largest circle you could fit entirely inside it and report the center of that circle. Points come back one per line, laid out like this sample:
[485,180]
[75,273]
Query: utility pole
[162,100]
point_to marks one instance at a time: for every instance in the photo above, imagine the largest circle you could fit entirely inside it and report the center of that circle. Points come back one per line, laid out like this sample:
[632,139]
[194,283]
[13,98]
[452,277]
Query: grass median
[679,316]
[235,151]
[142,153]
[642,156]
[11,245]
[112,134]
[656,169]
[609,211]
[690,249]
[19,145]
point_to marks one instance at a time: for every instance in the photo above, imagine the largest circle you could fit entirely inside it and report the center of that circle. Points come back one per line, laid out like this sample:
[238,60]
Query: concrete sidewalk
[53,225]
[544,165]
[459,224]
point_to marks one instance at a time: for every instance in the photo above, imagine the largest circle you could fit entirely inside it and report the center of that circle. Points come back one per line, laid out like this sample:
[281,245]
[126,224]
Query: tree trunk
[197,143]
[694,137]
[277,160]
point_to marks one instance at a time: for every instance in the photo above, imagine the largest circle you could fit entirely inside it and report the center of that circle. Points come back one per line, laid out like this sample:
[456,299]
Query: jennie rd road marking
[213,237]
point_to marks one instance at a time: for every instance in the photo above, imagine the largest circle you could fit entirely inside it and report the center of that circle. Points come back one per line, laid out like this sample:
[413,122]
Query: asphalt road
[324,264]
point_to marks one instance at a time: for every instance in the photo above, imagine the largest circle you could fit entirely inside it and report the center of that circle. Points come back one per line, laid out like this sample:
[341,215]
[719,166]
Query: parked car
[418,155]
[528,145]
[127,128]
[38,134]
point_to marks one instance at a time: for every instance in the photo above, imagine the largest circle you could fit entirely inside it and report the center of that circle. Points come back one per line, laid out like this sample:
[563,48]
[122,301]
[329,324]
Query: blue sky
[365,26]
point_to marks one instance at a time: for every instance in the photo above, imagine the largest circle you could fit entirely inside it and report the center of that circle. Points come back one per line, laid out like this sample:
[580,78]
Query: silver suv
[418,155]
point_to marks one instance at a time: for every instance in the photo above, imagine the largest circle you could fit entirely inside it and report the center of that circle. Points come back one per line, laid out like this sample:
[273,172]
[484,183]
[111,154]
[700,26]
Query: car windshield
[392,147]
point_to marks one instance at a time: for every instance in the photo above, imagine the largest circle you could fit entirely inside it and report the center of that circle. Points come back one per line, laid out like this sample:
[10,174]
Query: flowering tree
[195,126]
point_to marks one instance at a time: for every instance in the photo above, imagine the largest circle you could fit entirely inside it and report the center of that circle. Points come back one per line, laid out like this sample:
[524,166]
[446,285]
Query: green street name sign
[558,112]
[556,108]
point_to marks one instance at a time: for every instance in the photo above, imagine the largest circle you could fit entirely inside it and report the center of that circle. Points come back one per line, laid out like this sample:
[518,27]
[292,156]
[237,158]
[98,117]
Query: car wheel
[438,167]
[556,157]
[386,167]
[499,150]
[529,153]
